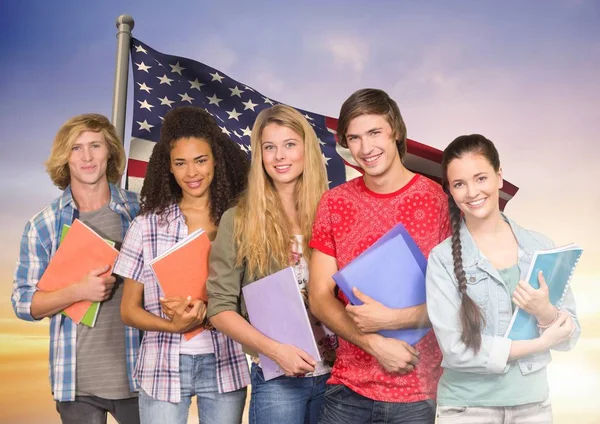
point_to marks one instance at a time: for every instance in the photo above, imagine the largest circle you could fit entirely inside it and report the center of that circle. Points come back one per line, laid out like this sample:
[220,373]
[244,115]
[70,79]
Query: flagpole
[124,26]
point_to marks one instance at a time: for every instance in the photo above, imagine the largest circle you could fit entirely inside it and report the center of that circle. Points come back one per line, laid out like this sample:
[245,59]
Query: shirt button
[529,366]
[472,279]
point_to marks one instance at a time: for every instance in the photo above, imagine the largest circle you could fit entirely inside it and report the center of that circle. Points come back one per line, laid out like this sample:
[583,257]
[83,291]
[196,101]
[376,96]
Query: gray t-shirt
[101,358]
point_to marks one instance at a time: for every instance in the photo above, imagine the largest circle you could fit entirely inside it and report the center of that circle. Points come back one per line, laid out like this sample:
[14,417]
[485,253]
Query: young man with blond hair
[375,379]
[90,368]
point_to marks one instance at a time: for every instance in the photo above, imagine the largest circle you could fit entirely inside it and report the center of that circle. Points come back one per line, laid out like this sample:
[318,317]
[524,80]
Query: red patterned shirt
[351,218]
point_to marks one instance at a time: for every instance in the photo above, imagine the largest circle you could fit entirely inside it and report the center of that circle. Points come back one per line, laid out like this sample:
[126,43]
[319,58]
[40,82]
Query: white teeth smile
[476,202]
[282,167]
[372,158]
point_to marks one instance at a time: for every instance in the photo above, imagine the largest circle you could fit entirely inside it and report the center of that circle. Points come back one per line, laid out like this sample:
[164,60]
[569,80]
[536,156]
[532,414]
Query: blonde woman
[269,230]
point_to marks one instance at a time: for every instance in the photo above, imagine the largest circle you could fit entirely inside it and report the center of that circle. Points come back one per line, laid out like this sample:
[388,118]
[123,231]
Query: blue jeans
[289,400]
[198,376]
[343,406]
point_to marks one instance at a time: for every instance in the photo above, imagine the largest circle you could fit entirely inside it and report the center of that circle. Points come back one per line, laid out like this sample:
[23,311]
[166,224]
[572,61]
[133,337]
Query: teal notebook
[91,315]
[557,266]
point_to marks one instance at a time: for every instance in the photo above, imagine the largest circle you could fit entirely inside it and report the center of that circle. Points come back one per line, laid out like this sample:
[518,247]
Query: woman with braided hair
[194,175]
[474,282]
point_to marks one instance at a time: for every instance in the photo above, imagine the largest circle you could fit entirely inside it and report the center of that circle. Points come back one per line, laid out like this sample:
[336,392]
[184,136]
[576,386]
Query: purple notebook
[391,271]
[276,309]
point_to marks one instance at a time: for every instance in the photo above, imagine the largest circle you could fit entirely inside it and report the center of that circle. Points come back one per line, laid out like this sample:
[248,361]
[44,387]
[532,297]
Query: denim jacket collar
[472,256]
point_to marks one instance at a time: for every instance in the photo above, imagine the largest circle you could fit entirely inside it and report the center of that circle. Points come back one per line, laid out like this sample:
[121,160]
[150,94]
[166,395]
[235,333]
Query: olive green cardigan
[225,280]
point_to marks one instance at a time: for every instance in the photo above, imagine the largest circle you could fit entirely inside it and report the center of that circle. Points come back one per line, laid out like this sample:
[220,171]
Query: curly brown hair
[160,190]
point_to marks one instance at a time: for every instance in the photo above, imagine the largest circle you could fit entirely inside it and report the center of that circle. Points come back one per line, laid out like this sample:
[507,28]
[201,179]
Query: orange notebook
[81,251]
[182,270]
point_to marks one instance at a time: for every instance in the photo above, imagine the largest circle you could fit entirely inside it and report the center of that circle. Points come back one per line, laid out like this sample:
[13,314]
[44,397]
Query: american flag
[162,82]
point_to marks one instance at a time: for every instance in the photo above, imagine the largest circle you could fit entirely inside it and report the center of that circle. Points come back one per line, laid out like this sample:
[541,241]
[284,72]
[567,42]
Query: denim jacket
[486,287]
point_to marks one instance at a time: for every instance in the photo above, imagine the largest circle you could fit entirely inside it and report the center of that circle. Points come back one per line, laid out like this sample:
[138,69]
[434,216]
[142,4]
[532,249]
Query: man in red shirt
[375,379]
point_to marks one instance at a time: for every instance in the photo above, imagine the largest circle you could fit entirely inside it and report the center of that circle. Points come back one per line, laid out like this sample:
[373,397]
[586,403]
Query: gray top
[101,358]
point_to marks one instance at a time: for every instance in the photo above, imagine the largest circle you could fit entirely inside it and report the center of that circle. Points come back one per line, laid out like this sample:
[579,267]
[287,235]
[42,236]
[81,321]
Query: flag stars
[236,92]
[145,105]
[321,142]
[165,101]
[237,135]
[325,159]
[142,67]
[185,97]
[248,88]
[177,68]
[224,130]
[267,100]
[165,79]
[249,105]
[216,77]
[195,84]
[214,100]
[140,49]
[233,114]
[308,117]
[247,131]
[144,125]
[144,87]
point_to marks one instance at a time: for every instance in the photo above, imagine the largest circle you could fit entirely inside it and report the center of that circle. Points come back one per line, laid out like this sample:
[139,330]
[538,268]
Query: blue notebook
[557,266]
[391,271]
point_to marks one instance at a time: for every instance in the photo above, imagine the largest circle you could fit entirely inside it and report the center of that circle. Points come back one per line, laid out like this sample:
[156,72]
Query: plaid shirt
[157,368]
[38,244]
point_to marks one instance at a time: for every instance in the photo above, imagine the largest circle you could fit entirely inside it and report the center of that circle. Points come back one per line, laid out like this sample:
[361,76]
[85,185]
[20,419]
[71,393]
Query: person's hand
[188,316]
[371,316]
[535,302]
[561,330]
[293,361]
[170,304]
[95,288]
[394,355]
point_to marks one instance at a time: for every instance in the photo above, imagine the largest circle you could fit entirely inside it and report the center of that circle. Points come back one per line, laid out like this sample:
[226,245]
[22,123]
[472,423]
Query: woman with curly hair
[194,174]
[266,232]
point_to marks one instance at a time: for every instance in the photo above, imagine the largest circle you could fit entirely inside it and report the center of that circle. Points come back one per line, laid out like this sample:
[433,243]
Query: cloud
[345,50]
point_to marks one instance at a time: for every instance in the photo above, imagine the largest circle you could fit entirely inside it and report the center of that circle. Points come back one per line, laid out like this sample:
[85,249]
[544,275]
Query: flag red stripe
[136,168]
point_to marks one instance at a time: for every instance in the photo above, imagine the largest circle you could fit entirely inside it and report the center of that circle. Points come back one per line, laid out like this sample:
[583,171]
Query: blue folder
[391,271]
[557,266]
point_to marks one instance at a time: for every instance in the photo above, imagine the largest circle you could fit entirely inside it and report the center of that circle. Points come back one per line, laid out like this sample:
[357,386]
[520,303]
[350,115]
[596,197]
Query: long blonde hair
[262,229]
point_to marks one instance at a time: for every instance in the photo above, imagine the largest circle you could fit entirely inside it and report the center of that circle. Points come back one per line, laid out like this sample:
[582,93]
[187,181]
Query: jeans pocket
[451,411]
[256,375]
[333,389]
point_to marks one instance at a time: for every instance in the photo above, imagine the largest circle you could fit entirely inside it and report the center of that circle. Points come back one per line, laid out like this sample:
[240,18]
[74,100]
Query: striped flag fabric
[162,82]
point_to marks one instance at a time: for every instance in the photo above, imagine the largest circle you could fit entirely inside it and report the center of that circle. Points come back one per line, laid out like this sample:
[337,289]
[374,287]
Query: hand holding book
[371,316]
[96,285]
[185,315]
[534,301]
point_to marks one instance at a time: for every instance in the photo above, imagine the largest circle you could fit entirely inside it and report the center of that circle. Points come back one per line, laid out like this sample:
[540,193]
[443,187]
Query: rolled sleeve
[32,262]
[224,282]
[443,307]
[130,262]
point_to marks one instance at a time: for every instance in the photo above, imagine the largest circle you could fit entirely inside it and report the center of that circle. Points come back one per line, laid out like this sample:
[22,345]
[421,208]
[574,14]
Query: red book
[81,251]
[182,270]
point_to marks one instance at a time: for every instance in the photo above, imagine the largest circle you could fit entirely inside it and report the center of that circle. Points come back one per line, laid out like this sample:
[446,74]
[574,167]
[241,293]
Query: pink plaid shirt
[157,367]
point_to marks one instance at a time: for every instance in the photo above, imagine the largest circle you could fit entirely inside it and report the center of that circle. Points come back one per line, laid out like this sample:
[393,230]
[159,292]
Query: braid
[470,314]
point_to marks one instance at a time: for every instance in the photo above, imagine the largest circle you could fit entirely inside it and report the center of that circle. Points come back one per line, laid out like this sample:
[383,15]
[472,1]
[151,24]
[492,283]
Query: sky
[524,74]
